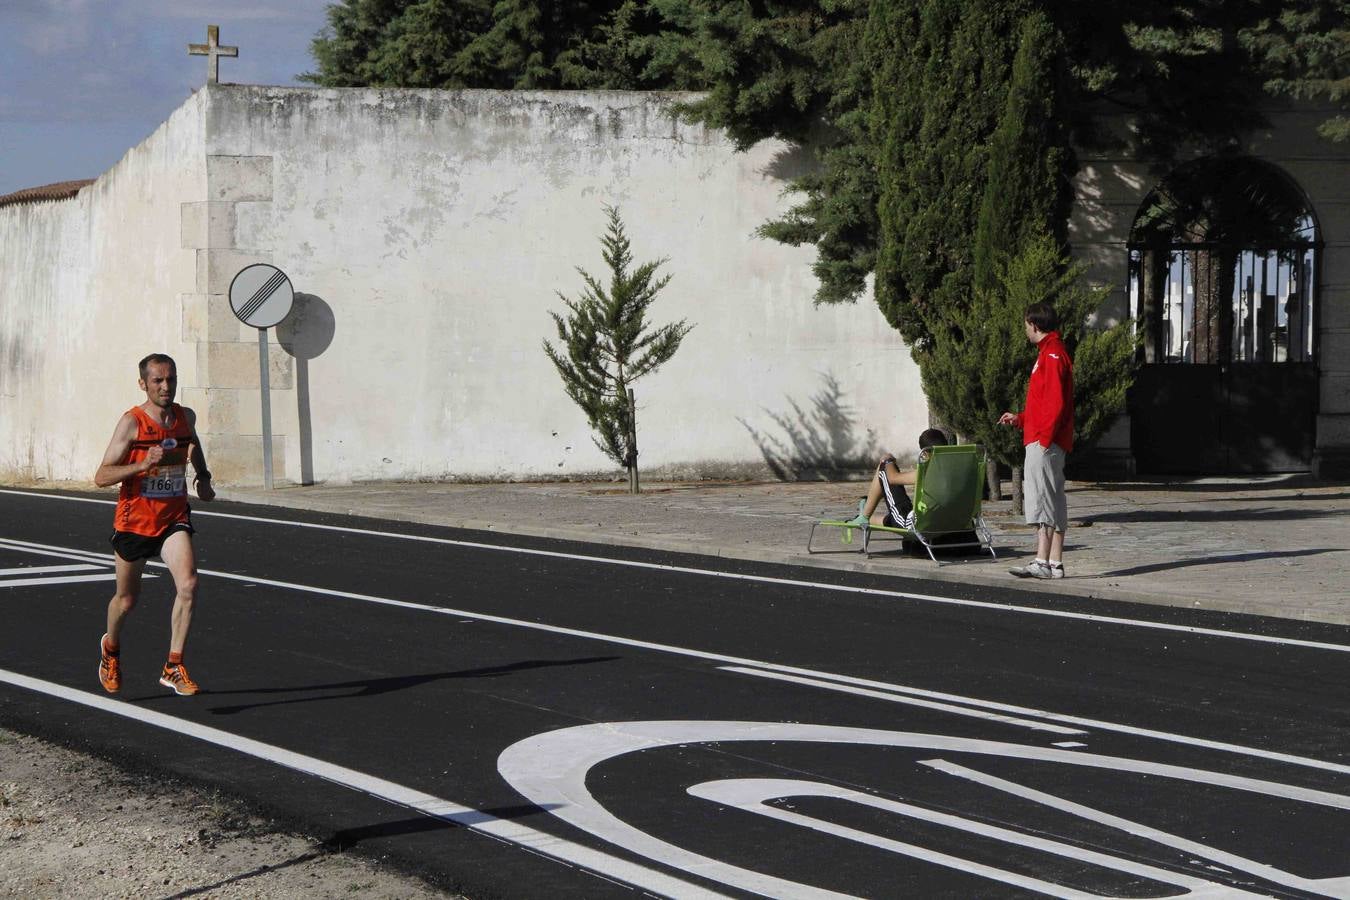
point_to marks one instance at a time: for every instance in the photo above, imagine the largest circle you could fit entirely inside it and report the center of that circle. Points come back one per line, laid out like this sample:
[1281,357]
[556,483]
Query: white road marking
[63,552]
[1204,851]
[775,667]
[893,697]
[37,570]
[506,830]
[99,561]
[1069,745]
[550,770]
[69,579]
[753,795]
[1098,724]
[763,579]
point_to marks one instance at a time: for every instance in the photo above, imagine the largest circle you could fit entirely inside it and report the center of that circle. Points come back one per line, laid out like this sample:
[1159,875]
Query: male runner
[147,456]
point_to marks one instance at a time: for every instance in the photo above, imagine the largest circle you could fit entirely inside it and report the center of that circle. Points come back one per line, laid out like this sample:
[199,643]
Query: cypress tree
[1031,162]
[933,149]
[979,360]
[1305,53]
[605,346]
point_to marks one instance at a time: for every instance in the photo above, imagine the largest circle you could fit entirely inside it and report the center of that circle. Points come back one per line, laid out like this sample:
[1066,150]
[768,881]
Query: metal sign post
[261,296]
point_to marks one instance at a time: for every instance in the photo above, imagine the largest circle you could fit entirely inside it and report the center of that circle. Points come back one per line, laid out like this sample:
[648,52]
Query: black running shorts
[131,546]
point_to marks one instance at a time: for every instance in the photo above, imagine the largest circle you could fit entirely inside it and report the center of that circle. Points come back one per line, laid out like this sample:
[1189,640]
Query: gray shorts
[1043,486]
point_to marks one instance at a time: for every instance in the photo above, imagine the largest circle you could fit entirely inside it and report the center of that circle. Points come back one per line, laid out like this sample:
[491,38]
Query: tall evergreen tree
[932,118]
[604,345]
[400,43]
[506,44]
[1305,50]
[1028,191]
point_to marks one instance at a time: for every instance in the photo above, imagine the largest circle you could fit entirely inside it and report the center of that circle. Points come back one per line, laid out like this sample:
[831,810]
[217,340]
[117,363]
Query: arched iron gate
[1228,381]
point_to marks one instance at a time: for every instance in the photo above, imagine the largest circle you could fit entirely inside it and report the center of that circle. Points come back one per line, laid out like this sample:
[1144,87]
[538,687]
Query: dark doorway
[1223,269]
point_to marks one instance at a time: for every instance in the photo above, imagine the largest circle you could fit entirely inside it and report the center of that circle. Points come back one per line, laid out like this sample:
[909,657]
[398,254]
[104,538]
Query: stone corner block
[234,178]
[208,317]
[206,224]
[217,268]
[253,224]
[233,364]
[236,459]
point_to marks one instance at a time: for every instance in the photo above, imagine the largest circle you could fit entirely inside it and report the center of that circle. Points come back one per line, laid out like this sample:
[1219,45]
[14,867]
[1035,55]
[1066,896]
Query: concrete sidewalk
[1273,545]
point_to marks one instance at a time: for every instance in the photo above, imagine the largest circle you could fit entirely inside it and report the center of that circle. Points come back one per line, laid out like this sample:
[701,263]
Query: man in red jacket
[1047,433]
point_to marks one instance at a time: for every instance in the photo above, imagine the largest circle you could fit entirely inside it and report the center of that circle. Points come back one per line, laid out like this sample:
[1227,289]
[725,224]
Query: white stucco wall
[428,231]
[88,286]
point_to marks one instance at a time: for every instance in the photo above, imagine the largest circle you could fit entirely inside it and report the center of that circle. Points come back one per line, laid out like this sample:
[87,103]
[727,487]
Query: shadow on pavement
[1216,485]
[244,876]
[1263,514]
[375,686]
[1217,560]
[350,837]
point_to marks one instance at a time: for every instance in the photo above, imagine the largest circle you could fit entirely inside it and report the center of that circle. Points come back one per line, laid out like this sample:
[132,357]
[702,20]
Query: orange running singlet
[152,501]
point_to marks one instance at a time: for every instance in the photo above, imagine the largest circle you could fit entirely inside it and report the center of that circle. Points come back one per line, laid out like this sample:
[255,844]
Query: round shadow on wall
[306,334]
[308,331]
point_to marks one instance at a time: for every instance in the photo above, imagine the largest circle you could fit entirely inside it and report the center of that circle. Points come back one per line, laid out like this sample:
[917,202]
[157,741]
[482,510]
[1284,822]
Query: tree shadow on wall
[819,441]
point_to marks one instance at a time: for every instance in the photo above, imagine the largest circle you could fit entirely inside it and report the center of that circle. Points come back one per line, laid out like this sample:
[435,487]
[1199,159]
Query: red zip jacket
[1047,417]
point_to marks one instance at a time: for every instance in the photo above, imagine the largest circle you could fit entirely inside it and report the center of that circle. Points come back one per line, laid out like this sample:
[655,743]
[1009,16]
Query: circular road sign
[261,295]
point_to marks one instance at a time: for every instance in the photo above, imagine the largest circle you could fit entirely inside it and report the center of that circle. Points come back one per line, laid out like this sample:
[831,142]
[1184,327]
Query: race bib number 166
[165,481]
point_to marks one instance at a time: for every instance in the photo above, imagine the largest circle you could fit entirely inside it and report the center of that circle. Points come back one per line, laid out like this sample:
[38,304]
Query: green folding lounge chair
[946,501]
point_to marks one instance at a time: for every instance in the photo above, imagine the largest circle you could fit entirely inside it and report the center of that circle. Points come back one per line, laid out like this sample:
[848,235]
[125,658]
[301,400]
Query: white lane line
[37,570]
[63,553]
[1070,720]
[793,670]
[506,830]
[811,673]
[766,579]
[99,561]
[69,579]
[903,698]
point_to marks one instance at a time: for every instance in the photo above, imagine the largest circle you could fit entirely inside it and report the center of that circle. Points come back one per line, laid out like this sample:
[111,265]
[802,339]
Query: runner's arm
[197,456]
[114,469]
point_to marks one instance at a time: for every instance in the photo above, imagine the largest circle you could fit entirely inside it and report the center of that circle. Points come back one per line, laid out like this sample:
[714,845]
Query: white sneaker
[1038,569]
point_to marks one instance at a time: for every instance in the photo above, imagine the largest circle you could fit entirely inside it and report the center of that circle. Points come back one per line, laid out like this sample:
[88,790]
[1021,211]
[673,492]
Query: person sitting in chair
[889,485]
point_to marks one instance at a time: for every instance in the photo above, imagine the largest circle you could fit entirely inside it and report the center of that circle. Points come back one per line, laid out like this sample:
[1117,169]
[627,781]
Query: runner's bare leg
[127,591]
[178,555]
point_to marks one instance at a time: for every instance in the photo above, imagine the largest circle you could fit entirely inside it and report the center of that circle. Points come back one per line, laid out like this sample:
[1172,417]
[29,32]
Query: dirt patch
[75,826]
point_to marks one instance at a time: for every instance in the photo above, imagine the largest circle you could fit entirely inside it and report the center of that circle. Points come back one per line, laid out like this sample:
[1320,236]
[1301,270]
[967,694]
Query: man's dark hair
[158,359]
[1042,315]
[933,437]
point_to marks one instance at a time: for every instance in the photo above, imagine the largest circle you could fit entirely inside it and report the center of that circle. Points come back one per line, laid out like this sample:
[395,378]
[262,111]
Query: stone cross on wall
[213,50]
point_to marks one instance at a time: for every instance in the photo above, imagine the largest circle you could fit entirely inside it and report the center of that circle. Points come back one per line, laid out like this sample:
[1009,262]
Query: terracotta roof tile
[61,190]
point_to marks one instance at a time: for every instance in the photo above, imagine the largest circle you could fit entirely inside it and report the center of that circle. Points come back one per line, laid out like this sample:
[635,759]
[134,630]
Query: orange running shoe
[109,669]
[175,677]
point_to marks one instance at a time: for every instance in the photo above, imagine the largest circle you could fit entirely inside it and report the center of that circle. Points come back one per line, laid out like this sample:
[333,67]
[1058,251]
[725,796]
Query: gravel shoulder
[74,826]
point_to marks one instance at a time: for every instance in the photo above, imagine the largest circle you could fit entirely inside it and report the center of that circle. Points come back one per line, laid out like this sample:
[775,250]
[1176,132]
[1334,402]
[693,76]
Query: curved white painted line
[550,771]
[753,795]
[507,830]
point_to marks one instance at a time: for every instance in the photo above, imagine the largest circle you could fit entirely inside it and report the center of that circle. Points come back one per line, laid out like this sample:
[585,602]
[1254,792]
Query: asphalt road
[523,718]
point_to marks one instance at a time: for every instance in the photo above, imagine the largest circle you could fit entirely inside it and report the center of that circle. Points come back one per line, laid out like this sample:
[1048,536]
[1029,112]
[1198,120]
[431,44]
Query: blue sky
[83,81]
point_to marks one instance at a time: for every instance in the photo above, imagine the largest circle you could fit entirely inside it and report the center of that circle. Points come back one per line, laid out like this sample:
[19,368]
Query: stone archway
[1223,284]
